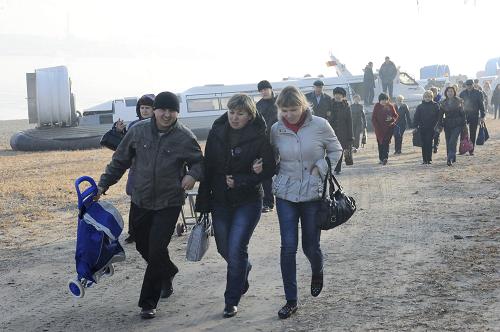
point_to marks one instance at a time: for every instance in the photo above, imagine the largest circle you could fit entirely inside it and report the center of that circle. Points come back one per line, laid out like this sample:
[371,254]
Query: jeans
[233,227]
[387,86]
[398,139]
[267,186]
[289,214]
[451,135]
[427,136]
[357,129]
[153,231]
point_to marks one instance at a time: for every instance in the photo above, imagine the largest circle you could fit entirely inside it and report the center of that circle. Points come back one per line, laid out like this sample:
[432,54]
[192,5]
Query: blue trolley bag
[97,247]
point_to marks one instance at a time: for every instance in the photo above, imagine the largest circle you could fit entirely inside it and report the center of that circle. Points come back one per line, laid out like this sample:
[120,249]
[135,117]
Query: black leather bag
[336,208]
[417,139]
[111,139]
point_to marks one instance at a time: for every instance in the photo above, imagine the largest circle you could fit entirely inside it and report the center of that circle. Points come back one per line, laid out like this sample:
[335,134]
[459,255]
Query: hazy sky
[124,48]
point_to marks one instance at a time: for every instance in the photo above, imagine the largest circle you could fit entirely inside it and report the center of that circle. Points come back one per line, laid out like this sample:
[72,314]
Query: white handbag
[199,239]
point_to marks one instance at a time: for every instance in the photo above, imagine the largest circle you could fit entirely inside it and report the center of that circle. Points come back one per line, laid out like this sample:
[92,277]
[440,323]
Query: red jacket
[384,118]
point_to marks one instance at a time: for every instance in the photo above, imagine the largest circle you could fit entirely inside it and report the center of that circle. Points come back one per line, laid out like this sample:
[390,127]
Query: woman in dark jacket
[358,121]
[425,120]
[404,121]
[341,122]
[384,118]
[232,192]
[452,118]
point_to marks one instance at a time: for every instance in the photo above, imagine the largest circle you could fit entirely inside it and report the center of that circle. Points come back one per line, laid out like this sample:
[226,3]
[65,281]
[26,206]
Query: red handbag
[465,145]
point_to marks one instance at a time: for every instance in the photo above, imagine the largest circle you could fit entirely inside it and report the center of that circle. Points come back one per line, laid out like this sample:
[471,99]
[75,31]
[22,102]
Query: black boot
[230,311]
[148,313]
[316,284]
[288,309]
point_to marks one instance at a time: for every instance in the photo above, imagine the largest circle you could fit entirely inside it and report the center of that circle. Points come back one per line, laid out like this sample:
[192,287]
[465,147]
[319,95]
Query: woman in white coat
[301,142]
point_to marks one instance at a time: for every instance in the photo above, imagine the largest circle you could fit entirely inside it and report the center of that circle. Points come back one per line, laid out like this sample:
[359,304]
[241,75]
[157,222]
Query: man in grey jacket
[167,161]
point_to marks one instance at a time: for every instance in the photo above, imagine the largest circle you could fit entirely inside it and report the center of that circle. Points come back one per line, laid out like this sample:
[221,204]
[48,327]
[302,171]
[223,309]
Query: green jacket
[160,163]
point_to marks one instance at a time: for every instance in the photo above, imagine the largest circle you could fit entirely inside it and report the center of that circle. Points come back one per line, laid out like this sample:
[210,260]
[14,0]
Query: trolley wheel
[110,270]
[180,228]
[76,288]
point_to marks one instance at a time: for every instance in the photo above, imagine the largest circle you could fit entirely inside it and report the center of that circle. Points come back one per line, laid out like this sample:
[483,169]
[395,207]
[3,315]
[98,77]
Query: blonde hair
[356,96]
[400,98]
[291,97]
[428,93]
[242,102]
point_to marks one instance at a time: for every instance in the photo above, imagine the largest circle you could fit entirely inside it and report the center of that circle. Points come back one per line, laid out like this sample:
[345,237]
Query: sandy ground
[421,253]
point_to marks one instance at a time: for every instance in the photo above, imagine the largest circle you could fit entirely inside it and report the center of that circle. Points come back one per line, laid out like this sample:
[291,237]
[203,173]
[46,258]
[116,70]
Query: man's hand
[230,181]
[188,182]
[100,192]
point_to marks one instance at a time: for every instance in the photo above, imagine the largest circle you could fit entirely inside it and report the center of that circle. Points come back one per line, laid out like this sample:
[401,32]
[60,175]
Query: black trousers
[436,139]
[369,95]
[153,231]
[268,200]
[473,123]
[387,87]
[427,136]
[383,150]
[338,168]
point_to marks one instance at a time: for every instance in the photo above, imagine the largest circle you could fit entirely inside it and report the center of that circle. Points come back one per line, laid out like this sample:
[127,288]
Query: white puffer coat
[298,153]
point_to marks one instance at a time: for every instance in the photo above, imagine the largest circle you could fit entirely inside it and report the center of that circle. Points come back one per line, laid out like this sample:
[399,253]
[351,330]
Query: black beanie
[166,100]
[146,100]
[264,85]
[340,91]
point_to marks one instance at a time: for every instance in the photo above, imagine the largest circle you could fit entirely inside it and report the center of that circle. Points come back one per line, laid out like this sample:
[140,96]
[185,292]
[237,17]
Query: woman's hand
[257,166]
[230,181]
[120,126]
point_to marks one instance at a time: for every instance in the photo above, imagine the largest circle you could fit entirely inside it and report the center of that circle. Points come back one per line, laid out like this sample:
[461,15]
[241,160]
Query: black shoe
[316,284]
[148,313]
[384,162]
[435,149]
[230,311]
[130,239]
[429,162]
[247,285]
[166,288]
[448,162]
[288,309]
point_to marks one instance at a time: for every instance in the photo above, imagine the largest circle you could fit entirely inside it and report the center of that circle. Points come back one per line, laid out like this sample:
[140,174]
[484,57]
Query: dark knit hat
[166,100]
[146,100]
[318,83]
[469,82]
[264,85]
[340,91]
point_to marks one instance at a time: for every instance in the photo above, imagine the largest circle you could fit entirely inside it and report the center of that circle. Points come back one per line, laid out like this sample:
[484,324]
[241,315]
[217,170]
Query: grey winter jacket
[160,164]
[298,153]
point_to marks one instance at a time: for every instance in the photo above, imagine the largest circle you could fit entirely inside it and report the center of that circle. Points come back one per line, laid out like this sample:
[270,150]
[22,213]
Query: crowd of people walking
[263,155]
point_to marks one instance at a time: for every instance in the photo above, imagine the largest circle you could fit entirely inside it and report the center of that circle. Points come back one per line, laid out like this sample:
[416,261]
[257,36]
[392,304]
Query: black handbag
[417,139]
[111,139]
[336,208]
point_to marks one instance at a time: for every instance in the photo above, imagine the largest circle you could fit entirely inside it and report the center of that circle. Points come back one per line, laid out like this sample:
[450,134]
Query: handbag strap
[330,178]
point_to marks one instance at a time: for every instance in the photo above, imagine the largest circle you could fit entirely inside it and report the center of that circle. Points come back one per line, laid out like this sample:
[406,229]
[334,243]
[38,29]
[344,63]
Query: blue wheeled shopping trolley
[97,247]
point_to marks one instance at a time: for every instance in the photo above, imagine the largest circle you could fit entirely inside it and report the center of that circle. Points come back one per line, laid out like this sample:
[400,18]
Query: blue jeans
[233,227]
[451,135]
[289,214]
